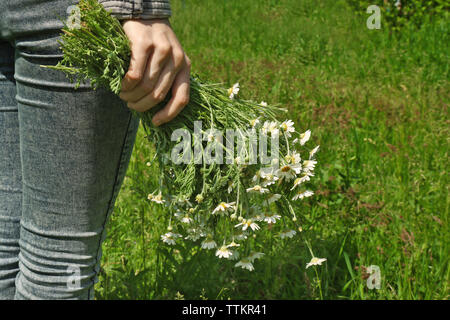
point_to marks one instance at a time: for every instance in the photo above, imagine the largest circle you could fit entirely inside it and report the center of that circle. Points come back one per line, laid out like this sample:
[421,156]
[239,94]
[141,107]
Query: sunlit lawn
[377,105]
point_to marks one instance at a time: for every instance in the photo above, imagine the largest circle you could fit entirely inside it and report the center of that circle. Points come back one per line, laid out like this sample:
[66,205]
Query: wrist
[147,21]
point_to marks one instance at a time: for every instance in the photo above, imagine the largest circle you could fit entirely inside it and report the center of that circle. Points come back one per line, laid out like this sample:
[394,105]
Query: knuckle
[144,45]
[164,49]
[153,75]
[134,76]
[183,100]
[158,96]
[178,58]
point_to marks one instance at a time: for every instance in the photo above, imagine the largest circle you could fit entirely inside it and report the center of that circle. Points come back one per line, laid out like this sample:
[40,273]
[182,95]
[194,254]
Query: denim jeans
[63,156]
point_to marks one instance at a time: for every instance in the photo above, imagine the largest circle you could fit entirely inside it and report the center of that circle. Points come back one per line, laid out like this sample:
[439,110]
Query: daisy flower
[270,126]
[258,217]
[170,237]
[234,255]
[240,236]
[265,127]
[304,137]
[209,243]
[223,206]
[301,195]
[300,180]
[199,198]
[224,252]
[315,262]
[185,201]
[210,137]
[305,176]
[245,264]
[273,198]
[255,255]
[233,91]
[271,217]
[158,198]
[293,157]
[257,176]
[179,215]
[194,234]
[309,165]
[273,128]
[287,127]
[269,176]
[289,171]
[239,160]
[186,219]
[233,244]
[257,189]
[263,104]
[313,152]
[246,223]
[287,234]
[254,122]
[230,186]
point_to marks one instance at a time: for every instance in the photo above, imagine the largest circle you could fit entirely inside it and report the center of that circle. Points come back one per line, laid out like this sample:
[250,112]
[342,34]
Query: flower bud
[199,198]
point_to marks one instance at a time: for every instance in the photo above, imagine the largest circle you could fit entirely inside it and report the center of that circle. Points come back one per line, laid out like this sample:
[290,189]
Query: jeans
[63,156]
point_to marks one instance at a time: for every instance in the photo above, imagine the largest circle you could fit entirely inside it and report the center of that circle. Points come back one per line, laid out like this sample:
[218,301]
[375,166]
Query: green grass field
[377,104]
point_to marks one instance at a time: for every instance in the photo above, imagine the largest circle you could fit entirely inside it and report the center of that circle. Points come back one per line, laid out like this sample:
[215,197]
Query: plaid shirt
[138,9]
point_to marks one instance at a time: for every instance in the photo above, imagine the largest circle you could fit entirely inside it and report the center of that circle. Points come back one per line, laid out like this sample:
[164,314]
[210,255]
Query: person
[64,151]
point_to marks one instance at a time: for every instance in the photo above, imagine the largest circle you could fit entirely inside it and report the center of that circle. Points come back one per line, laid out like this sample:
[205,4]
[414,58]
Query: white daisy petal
[300,195]
[245,264]
[315,262]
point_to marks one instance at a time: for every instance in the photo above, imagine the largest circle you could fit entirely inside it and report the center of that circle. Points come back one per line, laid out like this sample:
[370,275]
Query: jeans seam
[113,197]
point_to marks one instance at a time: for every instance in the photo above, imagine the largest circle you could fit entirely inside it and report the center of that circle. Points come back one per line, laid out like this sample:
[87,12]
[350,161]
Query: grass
[377,103]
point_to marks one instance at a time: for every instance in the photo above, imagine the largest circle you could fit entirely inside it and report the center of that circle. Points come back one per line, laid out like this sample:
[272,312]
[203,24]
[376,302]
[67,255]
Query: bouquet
[229,168]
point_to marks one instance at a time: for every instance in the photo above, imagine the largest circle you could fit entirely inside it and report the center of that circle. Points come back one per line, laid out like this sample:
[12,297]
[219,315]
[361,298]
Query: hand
[158,63]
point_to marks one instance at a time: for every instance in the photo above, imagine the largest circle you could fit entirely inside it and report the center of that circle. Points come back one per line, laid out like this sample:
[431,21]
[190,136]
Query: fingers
[155,65]
[158,63]
[164,83]
[180,97]
[138,63]
[158,94]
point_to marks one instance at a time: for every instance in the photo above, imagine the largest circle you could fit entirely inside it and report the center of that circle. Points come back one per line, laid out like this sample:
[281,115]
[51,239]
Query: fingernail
[156,122]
